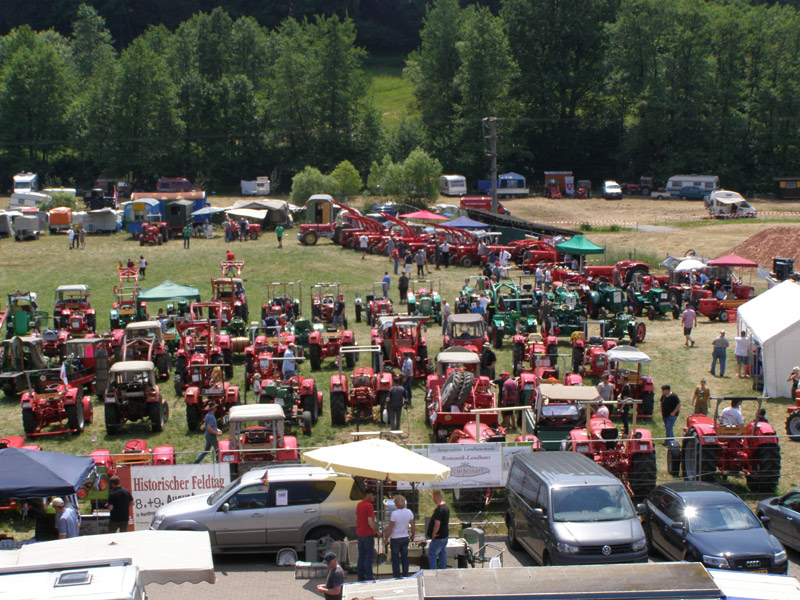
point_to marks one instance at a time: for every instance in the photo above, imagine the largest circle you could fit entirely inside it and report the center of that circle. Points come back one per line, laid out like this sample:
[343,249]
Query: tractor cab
[23,315]
[466,330]
[230,293]
[285,302]
[144,340]
[133,395]
[257,438]
[72,310]
[377,304]
[625,365]
[356,398]
[401,336]
[508,314]
[17,355]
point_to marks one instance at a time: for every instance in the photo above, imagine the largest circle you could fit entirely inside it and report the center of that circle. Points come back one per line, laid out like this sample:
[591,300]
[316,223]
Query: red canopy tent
[425,215]
[732,261]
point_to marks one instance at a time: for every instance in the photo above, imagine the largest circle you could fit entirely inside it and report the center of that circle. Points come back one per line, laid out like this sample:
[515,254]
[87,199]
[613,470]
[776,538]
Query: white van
[707,182]
[452,185]
[725,204]
[115,579]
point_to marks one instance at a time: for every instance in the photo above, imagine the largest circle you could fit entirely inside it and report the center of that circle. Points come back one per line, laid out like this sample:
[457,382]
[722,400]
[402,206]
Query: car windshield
[591,503]
[212,499]
[722,517]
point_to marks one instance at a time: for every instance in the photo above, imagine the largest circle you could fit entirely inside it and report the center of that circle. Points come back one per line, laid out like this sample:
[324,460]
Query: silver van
[564,509]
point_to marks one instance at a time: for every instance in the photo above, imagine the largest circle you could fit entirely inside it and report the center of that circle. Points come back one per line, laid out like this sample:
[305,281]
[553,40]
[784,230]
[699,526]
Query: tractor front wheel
[314,357]
[358,313]
[673,458]
[643,474]
[651,313]
[466,261]
[193,417]
[648,402]
[763,479]
[156,417]
[497,337]
[793,426]
[309,238]
[28,421]
[338,409]
[112,419]
[699,463]
[75,419]
[350,359]
[307,418]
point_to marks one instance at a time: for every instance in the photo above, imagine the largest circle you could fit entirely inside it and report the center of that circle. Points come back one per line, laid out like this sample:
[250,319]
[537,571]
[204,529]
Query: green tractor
[425,299]
[567,313]
[23,316]
[622,326]
[654,301]
[508,313]
[473,287]
[605,298]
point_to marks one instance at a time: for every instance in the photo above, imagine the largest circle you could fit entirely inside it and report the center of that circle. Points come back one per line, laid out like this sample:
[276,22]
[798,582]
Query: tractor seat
[609,435]
[595,341]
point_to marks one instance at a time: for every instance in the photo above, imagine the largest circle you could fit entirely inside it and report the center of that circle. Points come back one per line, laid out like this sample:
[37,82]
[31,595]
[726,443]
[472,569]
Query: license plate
[760,571]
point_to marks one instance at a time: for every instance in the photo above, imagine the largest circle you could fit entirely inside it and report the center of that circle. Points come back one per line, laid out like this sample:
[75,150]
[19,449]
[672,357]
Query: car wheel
[513,542]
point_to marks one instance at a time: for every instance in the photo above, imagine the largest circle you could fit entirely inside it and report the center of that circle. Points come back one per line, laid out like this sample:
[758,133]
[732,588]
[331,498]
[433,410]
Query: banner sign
[569,185]
[153,487]
[472,465]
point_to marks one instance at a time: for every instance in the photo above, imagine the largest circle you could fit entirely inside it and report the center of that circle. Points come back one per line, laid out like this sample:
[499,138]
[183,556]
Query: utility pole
[492,153]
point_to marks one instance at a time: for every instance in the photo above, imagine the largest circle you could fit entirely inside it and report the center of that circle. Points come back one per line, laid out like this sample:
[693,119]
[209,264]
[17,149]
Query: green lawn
[390,91]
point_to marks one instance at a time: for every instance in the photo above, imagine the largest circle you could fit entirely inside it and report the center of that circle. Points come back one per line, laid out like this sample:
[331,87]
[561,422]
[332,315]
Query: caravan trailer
[725,204]
[452,185]
[709,183]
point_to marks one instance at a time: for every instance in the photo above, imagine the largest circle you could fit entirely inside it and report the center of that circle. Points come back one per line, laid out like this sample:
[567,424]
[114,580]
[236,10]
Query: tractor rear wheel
[349,358]
[648,403]
[227,356]
[313,357]
[699,462]
[74,418]
[497,337]
[162,365]
[651,313]
[156,417]
[793,426]
[358,313]
[28,421]
[193,417]
[338,410]
[112,419]
[642,478]
[577,360]
[767,471]
[723,316]
[673,458]
[307,422]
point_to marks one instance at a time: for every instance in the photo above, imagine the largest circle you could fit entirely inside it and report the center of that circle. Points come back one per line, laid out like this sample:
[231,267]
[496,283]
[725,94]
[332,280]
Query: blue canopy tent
[35,474]
[466,223]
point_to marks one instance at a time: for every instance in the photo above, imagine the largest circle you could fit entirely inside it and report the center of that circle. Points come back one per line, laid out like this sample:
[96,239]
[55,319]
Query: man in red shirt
[366,530]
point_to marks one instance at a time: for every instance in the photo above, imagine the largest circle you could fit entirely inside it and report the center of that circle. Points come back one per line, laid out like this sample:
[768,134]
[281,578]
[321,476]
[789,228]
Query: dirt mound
[781,241]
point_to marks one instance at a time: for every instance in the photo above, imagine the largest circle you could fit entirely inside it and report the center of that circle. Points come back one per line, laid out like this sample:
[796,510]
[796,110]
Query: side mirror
[225,507]
[538,513]
[641,509]
[765,519]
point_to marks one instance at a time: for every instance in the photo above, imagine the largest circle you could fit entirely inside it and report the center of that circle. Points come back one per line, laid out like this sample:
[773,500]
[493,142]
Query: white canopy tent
[773,322]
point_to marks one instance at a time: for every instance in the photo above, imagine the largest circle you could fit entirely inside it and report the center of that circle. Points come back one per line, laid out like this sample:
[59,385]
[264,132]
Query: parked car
[782,517]
[566,510]
[299,504]
[692,192]
[707,523]
[612,190]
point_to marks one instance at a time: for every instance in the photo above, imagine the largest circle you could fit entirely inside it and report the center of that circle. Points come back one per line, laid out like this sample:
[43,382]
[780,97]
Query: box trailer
[101,221]
[26,227]
[60,219]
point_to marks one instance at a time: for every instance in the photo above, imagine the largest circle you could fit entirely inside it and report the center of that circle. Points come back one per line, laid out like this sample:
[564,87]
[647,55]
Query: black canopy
[36,474]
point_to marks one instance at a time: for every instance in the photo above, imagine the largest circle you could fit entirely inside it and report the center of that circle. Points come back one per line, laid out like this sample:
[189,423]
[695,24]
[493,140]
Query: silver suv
[297,503]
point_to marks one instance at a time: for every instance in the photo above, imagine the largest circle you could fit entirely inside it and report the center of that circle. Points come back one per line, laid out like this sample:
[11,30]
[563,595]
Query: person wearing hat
[670,407]
[366,530]
[407,373]
[212,431]
[332,588]
[719,353]
[289,366]
[488,360]
[66,519]
[257,386]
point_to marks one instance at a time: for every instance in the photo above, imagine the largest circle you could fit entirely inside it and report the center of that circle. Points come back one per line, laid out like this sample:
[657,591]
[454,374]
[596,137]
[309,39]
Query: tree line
[605,88]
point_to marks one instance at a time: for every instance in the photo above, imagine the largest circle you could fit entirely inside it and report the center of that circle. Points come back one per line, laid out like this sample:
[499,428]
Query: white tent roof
[258,215]
[162,556]
[769,314]
[261,204]
[627,354]
[726,197]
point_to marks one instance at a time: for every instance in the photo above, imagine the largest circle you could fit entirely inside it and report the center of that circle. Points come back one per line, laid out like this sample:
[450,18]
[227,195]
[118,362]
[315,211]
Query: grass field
[390,91]
[43,265]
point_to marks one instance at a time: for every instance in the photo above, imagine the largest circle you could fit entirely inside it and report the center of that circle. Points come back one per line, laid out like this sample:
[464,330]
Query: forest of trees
[605,88]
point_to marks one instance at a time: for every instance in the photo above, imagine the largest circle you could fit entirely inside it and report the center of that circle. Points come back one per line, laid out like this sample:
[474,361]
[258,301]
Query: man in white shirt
[363,243]
[504,257]
[732,415]
[400,531]
[289,363]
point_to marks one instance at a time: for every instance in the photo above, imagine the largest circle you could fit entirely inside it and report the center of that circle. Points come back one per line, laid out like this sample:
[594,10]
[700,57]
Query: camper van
[725,204]
[26,192]
[707,182]
[452,185]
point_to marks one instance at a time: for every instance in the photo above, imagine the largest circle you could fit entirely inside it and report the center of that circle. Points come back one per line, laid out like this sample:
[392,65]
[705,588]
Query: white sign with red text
[153,487]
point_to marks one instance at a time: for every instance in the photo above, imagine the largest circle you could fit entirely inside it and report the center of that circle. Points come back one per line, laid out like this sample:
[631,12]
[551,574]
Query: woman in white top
[401,526]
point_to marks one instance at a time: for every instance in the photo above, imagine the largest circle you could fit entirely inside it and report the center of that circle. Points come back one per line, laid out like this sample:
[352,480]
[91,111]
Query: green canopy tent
[579,246]
[170,291]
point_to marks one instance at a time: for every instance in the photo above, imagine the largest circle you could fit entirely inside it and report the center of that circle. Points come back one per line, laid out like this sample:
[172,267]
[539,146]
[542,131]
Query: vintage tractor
[23,316]
[321,219]
[453,390]
[632,458]
[793,420]
[230,292]
[323,297]
[356,398]
[298,396]
[127,307]
[653,300]
[508,314]
[65,409]
[144,340]
[567,312]
[589,352]
[641,385]
[538,252]
[605,298]
[325,344]
[154,233]
[376,305]
[466,330]
[18,355]
[425,299]
[210,392]
[401,336]
[711,447]
[263,347]
[473,288]
[284,302]
[555,409]
[257,439]
[72,311]
[133,395]
[536,353]
[200,350]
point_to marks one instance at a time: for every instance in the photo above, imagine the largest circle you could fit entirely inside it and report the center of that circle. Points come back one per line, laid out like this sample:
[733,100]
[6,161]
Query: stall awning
[579,245]
[170,291]
[733,260]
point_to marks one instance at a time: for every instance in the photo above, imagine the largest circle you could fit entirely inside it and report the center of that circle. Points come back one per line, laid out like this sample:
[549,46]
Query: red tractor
[400,336]
[72,311]
[466,330]
[85,363]
[257,439]
[454,390]
[325,344]
[589,353]
[198,353]
[321,219]
[199,398]
[536,353]
[323,297]
[65,409]
[106,464]
[538,252]
[145,341]
[631,458]
[377,305]
[367,389]
[283,304]
[153,234]
[641,385]
[711,445]
[259,355]
[127,307]
[230,292]
[133,395]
